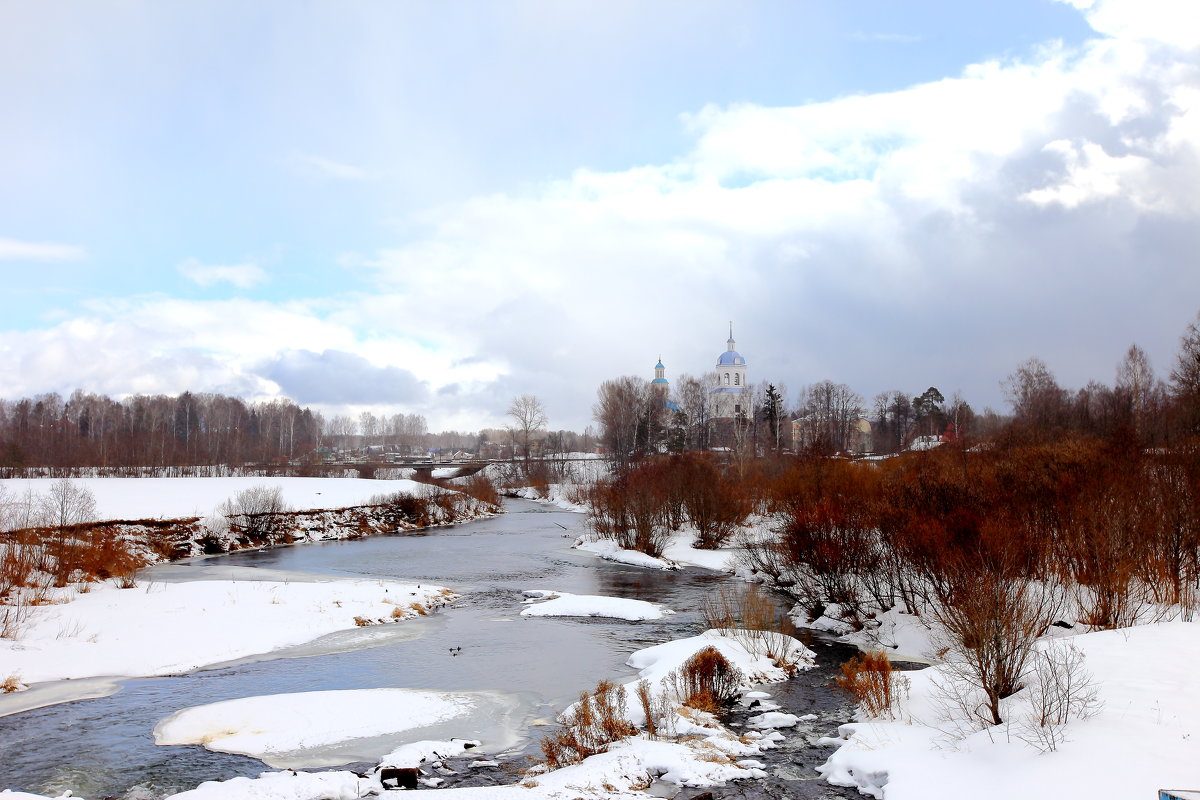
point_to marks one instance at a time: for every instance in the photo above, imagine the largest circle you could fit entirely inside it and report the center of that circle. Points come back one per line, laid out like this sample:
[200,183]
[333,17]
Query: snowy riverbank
[170,628]
[692,748]
[1143,733]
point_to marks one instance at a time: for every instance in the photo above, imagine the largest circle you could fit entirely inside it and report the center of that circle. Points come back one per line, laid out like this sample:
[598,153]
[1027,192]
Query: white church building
[731,395]
[730,388]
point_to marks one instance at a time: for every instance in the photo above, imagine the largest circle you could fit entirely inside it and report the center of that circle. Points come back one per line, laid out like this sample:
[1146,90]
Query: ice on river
[315,729]
[169,628]
[547,603]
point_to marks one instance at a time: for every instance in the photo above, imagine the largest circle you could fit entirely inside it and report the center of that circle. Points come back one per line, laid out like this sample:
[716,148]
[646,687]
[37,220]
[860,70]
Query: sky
[432,207]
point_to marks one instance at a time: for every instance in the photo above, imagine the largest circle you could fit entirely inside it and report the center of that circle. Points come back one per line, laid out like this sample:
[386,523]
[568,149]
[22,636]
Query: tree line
[637,419]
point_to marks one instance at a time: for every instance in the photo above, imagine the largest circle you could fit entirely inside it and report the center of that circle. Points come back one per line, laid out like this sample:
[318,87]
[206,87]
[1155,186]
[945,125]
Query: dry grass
[589,727]
[11,684]
[871,681]
[362,622]
[752,618]
[646,699]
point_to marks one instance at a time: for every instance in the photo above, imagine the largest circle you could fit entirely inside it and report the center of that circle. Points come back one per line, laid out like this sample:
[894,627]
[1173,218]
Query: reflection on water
[103,747]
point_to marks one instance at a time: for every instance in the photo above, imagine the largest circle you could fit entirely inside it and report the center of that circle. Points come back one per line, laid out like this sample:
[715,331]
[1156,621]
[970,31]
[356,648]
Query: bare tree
[632,419]
[1136,381]
[67,503]
[695,401]
[1036,397]
[528,415]
[1185,377]
[827,416]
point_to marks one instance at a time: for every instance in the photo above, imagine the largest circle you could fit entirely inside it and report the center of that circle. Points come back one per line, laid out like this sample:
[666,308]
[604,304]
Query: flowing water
[104,747]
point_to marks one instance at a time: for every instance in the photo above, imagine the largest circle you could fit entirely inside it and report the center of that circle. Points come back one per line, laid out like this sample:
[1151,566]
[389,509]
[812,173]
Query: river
[104,747]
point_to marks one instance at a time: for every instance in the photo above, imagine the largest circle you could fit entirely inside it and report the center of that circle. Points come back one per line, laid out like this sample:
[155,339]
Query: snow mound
[410,756]
[292,729]
[563,604]
[283,786]
[611,551]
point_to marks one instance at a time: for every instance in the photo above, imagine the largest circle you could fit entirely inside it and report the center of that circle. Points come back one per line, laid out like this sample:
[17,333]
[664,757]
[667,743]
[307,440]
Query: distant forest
[152,431]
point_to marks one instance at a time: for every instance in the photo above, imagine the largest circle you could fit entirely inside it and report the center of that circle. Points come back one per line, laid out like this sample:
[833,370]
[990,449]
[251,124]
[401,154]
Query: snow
[562,604]
[415,754]
[170,628]
[283,786]
[901,635]
[680,551]
[175,498]
[739,648]
[286,730]
[1144,736]
[557,495]
[772,719]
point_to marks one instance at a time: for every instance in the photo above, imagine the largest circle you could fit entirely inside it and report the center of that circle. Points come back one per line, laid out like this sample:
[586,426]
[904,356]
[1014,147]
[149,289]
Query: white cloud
[1172,22]
[15,250]
[937,235]
[243,276]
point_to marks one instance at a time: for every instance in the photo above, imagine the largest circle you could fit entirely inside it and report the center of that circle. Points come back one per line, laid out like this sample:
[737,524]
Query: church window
[737,380]
[726,378]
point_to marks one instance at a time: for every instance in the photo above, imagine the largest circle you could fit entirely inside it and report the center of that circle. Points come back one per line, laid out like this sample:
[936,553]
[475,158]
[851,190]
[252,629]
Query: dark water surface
[104,747]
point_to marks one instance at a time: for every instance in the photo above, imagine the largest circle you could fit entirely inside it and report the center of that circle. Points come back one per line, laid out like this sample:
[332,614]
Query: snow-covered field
[175,498]
[168,628]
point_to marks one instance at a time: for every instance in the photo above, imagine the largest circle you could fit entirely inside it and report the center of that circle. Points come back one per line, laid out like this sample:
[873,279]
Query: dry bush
[874,685]
[714,503]
[479,487]
[646,699]
[410,508]
[98,553]
[632,510]
[1060,689]
[597,720]
[256,513]
[707,681]
[989,624]
[450,502]
[751,617]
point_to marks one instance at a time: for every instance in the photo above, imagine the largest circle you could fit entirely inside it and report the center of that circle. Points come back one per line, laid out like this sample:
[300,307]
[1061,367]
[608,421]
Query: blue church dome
[731,358]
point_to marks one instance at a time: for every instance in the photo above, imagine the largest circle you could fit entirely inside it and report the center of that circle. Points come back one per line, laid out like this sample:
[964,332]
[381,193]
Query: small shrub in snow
[1060,689]
[874,685]
[646,699]
[255,513]
[707,681]
[589,727]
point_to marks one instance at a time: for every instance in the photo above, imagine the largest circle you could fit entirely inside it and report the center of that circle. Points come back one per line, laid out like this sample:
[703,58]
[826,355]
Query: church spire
[730,345]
